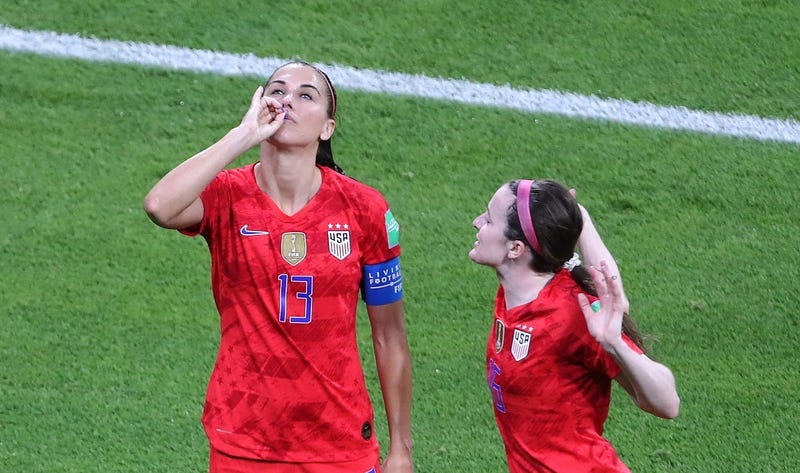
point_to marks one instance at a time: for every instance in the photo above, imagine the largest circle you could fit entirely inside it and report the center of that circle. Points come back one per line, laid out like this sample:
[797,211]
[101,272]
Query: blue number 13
[304,295]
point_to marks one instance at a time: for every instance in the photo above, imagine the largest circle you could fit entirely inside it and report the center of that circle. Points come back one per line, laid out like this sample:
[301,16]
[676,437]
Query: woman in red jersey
[560,334]
[293,243]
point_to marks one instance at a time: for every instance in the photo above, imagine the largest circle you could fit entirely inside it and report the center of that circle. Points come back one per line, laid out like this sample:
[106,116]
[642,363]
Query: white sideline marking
[529,101]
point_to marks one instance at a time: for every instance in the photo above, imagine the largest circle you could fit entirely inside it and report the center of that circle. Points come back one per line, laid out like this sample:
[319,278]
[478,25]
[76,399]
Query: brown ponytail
[557,222]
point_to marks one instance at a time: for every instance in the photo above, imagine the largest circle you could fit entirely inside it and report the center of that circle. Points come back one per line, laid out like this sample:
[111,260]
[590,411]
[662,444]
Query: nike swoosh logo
[244,231]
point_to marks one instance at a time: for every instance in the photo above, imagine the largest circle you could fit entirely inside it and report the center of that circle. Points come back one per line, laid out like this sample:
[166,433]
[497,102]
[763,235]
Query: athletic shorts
[221,463]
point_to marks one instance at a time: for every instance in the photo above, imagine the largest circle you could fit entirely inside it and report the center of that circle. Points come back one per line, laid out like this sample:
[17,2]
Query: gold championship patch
[499,335]
[293,247]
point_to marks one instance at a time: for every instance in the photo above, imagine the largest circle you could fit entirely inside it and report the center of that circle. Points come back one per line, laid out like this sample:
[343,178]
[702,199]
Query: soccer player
[293,243]
[555,346]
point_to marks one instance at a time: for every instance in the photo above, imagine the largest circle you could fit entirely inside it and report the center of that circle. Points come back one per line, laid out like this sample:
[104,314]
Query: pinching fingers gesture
[264,116]
[604,316]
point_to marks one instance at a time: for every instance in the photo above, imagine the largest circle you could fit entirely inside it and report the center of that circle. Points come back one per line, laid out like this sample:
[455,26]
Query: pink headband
[324,76]
[524,213]
[330,90]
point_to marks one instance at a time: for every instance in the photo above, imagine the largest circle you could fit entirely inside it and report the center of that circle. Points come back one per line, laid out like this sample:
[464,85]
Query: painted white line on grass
[529,101]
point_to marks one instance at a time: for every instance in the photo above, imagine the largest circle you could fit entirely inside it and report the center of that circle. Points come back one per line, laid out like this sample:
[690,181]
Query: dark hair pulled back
[558,223]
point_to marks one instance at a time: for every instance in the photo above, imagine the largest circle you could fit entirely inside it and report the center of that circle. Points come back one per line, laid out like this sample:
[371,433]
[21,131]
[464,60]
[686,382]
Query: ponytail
[325,156]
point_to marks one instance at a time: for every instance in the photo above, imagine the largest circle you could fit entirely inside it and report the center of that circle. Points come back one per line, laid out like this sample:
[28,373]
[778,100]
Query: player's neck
[291,187]
[522,287]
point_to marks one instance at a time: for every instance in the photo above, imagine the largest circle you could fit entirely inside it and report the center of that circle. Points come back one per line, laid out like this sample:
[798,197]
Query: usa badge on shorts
[521,343]
[339,240]
[293,247]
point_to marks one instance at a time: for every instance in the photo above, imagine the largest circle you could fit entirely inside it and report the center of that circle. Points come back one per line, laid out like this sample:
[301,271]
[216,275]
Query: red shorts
[222,463]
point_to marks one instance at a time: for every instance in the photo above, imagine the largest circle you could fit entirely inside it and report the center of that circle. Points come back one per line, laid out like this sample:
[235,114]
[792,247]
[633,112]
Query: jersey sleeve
[382,276]
[214,197]
[588,351]
[381,237]
[603,362]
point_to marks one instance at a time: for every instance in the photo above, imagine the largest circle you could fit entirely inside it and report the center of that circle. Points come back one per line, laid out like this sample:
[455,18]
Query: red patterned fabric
[287,384]
[551,384]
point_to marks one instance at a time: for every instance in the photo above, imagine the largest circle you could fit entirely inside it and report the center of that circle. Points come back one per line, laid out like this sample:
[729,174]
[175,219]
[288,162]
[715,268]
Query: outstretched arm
[650,384]
[174,202]
[394,372]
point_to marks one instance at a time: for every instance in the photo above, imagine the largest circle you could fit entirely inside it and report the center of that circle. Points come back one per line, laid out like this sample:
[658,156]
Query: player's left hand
[397,464]
[604,316]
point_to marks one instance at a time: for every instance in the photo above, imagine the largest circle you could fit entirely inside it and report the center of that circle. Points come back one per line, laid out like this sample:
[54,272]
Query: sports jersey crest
[521,343]
[293,247]
[499,335]
[339,240]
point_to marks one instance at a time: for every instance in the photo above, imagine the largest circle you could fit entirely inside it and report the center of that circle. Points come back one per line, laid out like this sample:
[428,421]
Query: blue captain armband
[382,283]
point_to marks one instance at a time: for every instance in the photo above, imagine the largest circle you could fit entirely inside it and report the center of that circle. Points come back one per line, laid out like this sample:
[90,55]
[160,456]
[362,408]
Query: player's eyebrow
[310,86]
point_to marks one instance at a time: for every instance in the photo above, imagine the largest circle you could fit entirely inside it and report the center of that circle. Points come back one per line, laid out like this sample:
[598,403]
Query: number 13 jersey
[287,384]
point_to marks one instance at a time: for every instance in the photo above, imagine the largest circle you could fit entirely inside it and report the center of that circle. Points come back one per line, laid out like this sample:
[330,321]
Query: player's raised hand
[263,118]
[604,316]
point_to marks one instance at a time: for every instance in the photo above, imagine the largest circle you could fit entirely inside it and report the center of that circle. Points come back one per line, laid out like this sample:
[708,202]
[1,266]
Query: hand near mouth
[264,117]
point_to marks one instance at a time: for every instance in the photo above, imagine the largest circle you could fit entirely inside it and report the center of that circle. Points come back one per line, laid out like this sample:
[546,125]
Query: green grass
[109,328]
[723,55]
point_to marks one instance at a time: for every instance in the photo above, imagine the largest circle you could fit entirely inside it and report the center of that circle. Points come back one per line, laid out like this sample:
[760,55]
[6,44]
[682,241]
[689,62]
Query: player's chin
[474,256]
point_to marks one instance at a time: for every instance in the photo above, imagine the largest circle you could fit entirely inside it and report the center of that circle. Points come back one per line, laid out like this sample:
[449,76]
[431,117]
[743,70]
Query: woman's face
[304,95]
[491,245]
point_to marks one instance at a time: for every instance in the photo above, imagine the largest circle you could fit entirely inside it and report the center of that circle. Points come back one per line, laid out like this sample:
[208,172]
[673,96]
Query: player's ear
[515,249]
[327,129]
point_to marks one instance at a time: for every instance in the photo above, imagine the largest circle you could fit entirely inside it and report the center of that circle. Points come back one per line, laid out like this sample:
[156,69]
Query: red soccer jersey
[287,384]
[551,384]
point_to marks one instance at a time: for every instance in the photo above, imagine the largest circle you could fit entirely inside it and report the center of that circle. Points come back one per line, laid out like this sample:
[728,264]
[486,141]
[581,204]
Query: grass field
[109,328]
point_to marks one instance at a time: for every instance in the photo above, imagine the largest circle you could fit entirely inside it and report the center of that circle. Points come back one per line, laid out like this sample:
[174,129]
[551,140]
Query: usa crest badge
[339,240]
[293,247]
[521,343]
